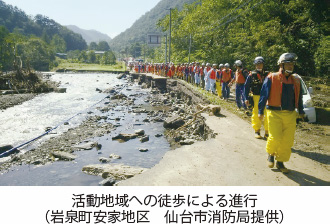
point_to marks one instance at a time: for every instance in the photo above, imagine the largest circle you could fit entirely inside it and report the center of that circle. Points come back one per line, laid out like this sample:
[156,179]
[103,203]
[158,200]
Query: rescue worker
[218,80]
[240,78]
[253,85]
[226,77]
[212,76]
[197,74]
[206,78]
[282,91]
[202,75]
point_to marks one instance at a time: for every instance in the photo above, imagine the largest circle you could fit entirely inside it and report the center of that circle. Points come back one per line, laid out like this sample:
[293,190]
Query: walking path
[233,158]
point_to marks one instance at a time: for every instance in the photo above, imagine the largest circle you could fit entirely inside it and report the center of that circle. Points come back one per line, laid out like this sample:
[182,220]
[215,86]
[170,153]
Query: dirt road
[233,158]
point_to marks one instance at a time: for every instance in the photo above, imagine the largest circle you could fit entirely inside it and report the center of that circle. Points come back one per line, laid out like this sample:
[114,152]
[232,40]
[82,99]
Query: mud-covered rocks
[114,156]
[125,137]
[66,156]
[122,75]
[116,171]
[104,160]
[174,122]
[107,182]
[86,146]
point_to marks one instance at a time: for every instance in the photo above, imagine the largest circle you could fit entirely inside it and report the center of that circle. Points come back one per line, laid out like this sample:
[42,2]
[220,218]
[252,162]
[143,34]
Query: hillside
[16,20]
[89,35]
[145,24]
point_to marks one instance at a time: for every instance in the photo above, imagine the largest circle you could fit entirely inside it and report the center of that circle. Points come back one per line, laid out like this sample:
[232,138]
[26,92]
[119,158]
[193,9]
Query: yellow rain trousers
[218,86]
[282,126]
[256,123]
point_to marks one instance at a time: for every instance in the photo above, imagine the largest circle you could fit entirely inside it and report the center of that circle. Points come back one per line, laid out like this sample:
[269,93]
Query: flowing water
[24,122]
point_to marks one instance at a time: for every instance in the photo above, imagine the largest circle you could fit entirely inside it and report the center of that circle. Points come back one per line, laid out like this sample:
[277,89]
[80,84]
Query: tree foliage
[228,30]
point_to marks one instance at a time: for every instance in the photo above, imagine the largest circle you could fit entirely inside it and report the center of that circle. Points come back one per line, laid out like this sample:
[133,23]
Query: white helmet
[227,65]
[238,63]
[287,57]
[208,64]
[221,65]
[259,60]
[203,64]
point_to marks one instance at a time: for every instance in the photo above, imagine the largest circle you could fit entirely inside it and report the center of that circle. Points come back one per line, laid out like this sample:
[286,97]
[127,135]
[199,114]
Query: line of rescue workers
[274,96]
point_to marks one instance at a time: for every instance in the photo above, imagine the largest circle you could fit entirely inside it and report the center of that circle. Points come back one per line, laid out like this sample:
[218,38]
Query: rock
[143,150]
[116,171]
[108,182]
[37,162]
[187,142]
[114,156]
[144,139]
[98,90]
[110,90]
[117,119]
[146,120]
[104,160]
[86,146]
[139,132]
[60,90]
[125,137]
[158,119]
[174,122]
[144,86]
[4,148]
[120,76]
[158,135]
[66,123]
[63,155]
[118,97]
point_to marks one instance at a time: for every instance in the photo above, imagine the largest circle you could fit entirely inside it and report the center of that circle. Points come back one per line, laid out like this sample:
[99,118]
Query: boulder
[4,148]
[140,132]
[104,160]
[114,156]
[120,76]
[125,137]
[108,182]
[174,122]
[143,150]
[187,142]
[63,155]
[115,171]
[86,146]
[144,138]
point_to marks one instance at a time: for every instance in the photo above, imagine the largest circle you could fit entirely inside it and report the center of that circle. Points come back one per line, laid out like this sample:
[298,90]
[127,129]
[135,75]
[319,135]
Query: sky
[107,16]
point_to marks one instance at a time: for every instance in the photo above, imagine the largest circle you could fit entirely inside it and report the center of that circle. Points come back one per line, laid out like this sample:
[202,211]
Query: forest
[228,30]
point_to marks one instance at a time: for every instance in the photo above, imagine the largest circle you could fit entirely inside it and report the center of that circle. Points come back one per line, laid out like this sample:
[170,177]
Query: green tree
[93,46]
[58,44]
[103,46]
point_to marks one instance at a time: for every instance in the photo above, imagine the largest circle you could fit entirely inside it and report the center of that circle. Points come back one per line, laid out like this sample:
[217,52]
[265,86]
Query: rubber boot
[257,135]
[281,167]
[270,161]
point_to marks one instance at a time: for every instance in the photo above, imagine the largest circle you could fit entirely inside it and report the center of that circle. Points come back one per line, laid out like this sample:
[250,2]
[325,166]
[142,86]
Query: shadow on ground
[304,179]
[321,158]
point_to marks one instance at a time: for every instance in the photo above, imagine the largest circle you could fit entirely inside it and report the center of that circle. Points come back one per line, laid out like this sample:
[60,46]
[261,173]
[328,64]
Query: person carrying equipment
[253,85]
[226,77]
[283,95]
[240,78]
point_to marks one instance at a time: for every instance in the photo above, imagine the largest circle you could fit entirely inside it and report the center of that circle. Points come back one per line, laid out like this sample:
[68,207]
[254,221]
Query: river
[30,119]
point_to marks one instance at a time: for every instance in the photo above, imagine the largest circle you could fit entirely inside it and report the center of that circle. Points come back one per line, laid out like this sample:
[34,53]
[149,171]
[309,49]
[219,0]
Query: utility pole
[189,50]
[169,48]
[165,48]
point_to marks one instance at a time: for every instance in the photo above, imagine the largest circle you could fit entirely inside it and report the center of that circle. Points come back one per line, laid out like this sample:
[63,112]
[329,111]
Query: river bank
[127,109]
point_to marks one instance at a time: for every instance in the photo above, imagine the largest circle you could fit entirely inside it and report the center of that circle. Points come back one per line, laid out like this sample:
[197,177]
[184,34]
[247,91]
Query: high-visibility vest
[226,76]
[275,95]
[240,79]
[213,74]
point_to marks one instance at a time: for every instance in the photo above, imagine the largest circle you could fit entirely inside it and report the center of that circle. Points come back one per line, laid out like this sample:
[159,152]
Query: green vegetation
[227,30]
[65,65]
